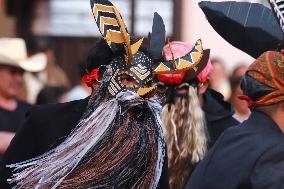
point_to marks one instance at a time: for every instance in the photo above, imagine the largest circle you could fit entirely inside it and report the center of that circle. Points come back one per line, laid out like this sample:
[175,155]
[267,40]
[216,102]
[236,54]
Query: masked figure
[118,142]
[183,77]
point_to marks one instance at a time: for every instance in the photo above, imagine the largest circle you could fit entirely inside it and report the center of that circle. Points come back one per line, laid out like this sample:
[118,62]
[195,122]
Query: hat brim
[35,63]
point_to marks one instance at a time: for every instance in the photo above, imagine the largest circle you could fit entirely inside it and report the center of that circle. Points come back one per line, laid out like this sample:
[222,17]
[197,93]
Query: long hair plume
[185,135]
[110,147]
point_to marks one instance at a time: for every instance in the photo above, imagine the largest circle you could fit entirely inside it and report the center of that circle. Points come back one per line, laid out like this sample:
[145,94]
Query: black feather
[157,41]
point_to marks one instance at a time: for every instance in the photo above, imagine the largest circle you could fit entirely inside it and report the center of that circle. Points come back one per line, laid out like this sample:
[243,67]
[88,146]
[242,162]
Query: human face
[11,81]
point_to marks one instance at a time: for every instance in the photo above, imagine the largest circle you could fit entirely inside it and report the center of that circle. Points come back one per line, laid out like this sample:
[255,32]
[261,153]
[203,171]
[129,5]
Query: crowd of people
[166,116]
[22,88]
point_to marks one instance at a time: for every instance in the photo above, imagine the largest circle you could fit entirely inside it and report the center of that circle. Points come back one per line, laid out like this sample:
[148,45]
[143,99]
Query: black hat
[250,27]
[99,55]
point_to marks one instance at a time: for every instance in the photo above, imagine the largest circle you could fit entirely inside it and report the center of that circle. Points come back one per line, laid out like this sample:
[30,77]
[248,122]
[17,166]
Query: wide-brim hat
[13,52]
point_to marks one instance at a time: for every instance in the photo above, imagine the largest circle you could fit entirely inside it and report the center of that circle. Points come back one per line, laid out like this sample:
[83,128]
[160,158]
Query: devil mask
[179,78]
[183,66]
[136,77]
[132,64]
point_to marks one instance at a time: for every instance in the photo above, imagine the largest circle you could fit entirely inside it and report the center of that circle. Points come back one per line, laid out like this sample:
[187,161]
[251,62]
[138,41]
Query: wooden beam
[177,10]
[133,17]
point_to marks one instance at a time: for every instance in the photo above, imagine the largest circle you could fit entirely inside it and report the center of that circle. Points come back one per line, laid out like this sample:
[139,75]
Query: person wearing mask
[251,155]
[105,140]
[194,115]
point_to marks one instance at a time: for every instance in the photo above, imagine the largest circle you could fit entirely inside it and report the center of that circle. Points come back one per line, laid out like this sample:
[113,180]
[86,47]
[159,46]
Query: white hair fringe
[55,165]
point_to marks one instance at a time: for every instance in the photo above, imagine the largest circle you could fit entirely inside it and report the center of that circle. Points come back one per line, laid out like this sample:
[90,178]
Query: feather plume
[111,26]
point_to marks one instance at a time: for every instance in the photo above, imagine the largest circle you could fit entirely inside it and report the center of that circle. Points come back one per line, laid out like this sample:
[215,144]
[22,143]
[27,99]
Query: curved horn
[111,26]
[158,37]
[186,62]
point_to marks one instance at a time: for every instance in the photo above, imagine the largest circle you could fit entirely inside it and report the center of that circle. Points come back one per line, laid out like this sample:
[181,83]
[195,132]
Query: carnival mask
[118,142]
[180,68]
[132,68]
[137,77]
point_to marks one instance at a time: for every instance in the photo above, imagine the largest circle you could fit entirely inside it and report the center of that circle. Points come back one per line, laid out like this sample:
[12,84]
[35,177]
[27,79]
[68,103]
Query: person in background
[79,91]
[242,111]
[50,131]
[13,63]
[82,90]
[53,75]
[220,79]
[251,155]
[51,94]
[194,115]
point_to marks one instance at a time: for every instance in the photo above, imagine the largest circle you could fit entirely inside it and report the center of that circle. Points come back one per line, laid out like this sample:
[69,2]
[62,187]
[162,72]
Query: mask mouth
[127,81]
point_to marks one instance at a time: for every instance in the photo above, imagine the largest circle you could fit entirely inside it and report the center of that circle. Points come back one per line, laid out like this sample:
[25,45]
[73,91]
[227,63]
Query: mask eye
[182,88]
[105,73]
[162,87]
[128,81]
[183,85]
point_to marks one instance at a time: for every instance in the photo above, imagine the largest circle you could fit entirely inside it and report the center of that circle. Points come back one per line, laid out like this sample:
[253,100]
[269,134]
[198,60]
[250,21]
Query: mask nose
[147,91]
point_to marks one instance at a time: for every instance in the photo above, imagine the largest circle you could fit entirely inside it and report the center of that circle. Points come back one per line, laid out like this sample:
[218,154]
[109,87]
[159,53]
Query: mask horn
[113,28]
[158,37]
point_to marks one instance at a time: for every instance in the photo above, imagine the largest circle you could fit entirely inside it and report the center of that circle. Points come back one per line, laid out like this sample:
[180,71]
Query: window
[145,11]
[74,17]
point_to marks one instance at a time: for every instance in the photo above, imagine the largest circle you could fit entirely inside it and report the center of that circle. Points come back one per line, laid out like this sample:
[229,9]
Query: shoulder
[251,139]
[274,152]
[45,124]
[251,131]
[269,168]
[23,105]
[216,108]
[54,116]
[51,109]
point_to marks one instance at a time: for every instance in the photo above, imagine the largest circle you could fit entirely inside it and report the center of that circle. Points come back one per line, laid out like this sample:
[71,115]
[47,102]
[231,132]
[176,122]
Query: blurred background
[67,28]
[64,30]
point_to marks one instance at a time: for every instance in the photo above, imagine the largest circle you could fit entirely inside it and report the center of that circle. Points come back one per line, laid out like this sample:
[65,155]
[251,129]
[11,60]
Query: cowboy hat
[13,52]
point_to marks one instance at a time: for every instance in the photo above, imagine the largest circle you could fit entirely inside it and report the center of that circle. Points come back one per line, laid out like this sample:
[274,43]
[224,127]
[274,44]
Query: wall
[195,26]
[7,23]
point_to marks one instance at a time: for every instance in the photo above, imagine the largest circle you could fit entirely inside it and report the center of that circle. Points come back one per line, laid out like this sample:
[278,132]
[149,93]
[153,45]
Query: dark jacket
[218,113]
[10,121]
[248,156]
[46,127]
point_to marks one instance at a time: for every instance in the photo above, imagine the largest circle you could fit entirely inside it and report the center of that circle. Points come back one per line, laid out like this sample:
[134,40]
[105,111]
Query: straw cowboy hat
[13,52]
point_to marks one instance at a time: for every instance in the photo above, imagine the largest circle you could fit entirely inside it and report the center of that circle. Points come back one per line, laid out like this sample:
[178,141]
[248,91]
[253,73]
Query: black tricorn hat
[250,27]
